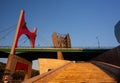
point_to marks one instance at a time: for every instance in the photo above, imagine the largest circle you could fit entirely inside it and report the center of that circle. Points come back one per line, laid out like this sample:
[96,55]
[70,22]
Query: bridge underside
[73,55]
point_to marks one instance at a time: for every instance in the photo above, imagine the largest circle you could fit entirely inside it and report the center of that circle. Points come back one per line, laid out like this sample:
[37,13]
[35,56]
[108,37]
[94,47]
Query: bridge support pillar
[60,55]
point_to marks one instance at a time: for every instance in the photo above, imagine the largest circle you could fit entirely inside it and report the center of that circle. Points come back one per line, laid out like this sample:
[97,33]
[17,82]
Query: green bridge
[68,53]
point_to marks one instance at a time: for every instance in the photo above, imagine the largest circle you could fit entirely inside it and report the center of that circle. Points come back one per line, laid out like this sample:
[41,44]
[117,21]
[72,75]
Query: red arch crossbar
[22,29]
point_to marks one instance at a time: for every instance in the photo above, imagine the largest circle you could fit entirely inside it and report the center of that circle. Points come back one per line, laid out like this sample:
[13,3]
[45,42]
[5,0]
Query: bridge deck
[68,53]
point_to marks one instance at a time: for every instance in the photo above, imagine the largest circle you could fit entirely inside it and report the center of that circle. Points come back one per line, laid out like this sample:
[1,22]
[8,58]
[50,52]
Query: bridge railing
[104,47]
[5,46]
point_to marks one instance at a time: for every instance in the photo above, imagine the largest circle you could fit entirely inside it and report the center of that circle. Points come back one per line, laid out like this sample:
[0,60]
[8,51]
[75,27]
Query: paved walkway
[77,73]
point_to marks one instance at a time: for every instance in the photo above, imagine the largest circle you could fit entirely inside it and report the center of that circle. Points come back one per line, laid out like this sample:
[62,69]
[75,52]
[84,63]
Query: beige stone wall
[46,64]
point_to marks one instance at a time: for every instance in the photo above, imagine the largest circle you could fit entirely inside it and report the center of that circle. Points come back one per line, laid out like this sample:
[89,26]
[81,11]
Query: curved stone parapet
[117,31]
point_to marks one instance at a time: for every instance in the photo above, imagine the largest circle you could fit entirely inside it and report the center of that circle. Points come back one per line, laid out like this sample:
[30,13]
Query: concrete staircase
[82,72]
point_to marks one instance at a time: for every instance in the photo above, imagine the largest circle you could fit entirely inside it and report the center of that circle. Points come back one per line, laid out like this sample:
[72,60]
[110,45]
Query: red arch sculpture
[22,29]
[15,62]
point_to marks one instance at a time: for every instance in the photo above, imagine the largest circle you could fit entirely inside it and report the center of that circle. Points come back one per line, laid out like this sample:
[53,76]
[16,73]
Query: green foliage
[34,73]
[19,75]
[2,68]
[1,72]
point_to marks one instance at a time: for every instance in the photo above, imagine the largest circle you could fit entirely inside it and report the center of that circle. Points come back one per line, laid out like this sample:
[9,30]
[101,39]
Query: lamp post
[98,42]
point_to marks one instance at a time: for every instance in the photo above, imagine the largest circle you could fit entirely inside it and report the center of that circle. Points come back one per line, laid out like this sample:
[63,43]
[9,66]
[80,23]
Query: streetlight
[98,42]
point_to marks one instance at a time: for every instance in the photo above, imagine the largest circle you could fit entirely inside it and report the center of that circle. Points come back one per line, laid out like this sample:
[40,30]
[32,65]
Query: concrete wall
[112,56]
[48,64]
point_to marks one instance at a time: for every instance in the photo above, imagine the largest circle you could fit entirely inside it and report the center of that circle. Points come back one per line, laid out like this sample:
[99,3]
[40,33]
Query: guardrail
[110,47]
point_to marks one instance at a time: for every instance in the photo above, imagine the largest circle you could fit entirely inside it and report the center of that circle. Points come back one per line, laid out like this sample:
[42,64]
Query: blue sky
[84,20]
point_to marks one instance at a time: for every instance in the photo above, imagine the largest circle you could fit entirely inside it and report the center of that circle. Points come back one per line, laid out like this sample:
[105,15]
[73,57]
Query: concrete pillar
[60,55]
